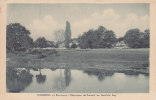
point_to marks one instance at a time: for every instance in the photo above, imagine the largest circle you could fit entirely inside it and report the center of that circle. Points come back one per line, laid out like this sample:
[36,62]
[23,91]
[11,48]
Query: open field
[136,60]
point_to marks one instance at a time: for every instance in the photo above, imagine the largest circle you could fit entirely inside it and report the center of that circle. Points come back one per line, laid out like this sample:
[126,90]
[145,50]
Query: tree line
[18,38]
[103,38]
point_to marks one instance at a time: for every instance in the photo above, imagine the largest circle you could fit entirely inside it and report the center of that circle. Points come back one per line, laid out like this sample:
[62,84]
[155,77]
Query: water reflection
[72,80]
[100,74]
[63,80]
[67,74]
[133,72]
[18,79]
[40,78]
[53,69]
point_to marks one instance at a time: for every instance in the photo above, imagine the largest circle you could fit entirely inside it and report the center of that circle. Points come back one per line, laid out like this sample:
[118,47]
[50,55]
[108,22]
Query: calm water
[72,80]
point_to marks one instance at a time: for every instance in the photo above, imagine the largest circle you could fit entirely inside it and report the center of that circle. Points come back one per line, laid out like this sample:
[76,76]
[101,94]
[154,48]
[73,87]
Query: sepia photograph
[78,48]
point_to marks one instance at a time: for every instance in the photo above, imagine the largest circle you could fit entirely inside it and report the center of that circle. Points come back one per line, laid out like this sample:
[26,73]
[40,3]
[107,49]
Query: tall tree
[67,34]
[18,37]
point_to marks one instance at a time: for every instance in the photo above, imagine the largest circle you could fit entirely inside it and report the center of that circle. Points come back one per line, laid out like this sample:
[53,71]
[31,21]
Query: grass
[108,59]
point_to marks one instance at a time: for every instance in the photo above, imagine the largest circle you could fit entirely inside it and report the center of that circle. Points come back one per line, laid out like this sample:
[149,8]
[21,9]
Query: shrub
[73,46]
[41,56]
[34,52]
[52,52]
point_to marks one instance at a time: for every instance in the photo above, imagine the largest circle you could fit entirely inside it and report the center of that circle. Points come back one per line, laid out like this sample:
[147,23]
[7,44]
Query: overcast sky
[44,19]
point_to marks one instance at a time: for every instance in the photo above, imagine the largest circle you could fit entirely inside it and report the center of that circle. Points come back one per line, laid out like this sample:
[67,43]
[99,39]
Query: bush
[46,53]
[34,52]
[41,56]
[52,52]
[73,46]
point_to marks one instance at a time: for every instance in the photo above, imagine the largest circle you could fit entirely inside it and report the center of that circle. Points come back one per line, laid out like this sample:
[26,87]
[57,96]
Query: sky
[43,19]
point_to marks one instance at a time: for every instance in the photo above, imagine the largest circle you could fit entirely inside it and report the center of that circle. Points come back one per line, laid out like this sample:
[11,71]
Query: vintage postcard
[77,50]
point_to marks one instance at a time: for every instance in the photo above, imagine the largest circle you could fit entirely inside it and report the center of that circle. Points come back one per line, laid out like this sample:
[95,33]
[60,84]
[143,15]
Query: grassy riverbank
[136,60]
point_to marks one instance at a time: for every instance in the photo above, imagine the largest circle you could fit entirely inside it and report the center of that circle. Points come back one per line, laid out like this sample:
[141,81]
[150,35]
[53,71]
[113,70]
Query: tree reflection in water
[100,74]
[54,69]
[17,79]
[63,80]
[67,74]
[40,78]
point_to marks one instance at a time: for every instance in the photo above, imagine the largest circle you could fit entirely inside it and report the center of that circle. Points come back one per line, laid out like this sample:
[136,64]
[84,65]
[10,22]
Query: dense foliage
[18,37]
[136,39]
[100,38]
[41,43]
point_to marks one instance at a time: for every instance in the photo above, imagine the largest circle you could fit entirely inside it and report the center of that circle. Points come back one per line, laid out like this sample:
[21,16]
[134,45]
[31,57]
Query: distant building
[51,44]
[74,44]
[60,44]
[120,45]
[74,41]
